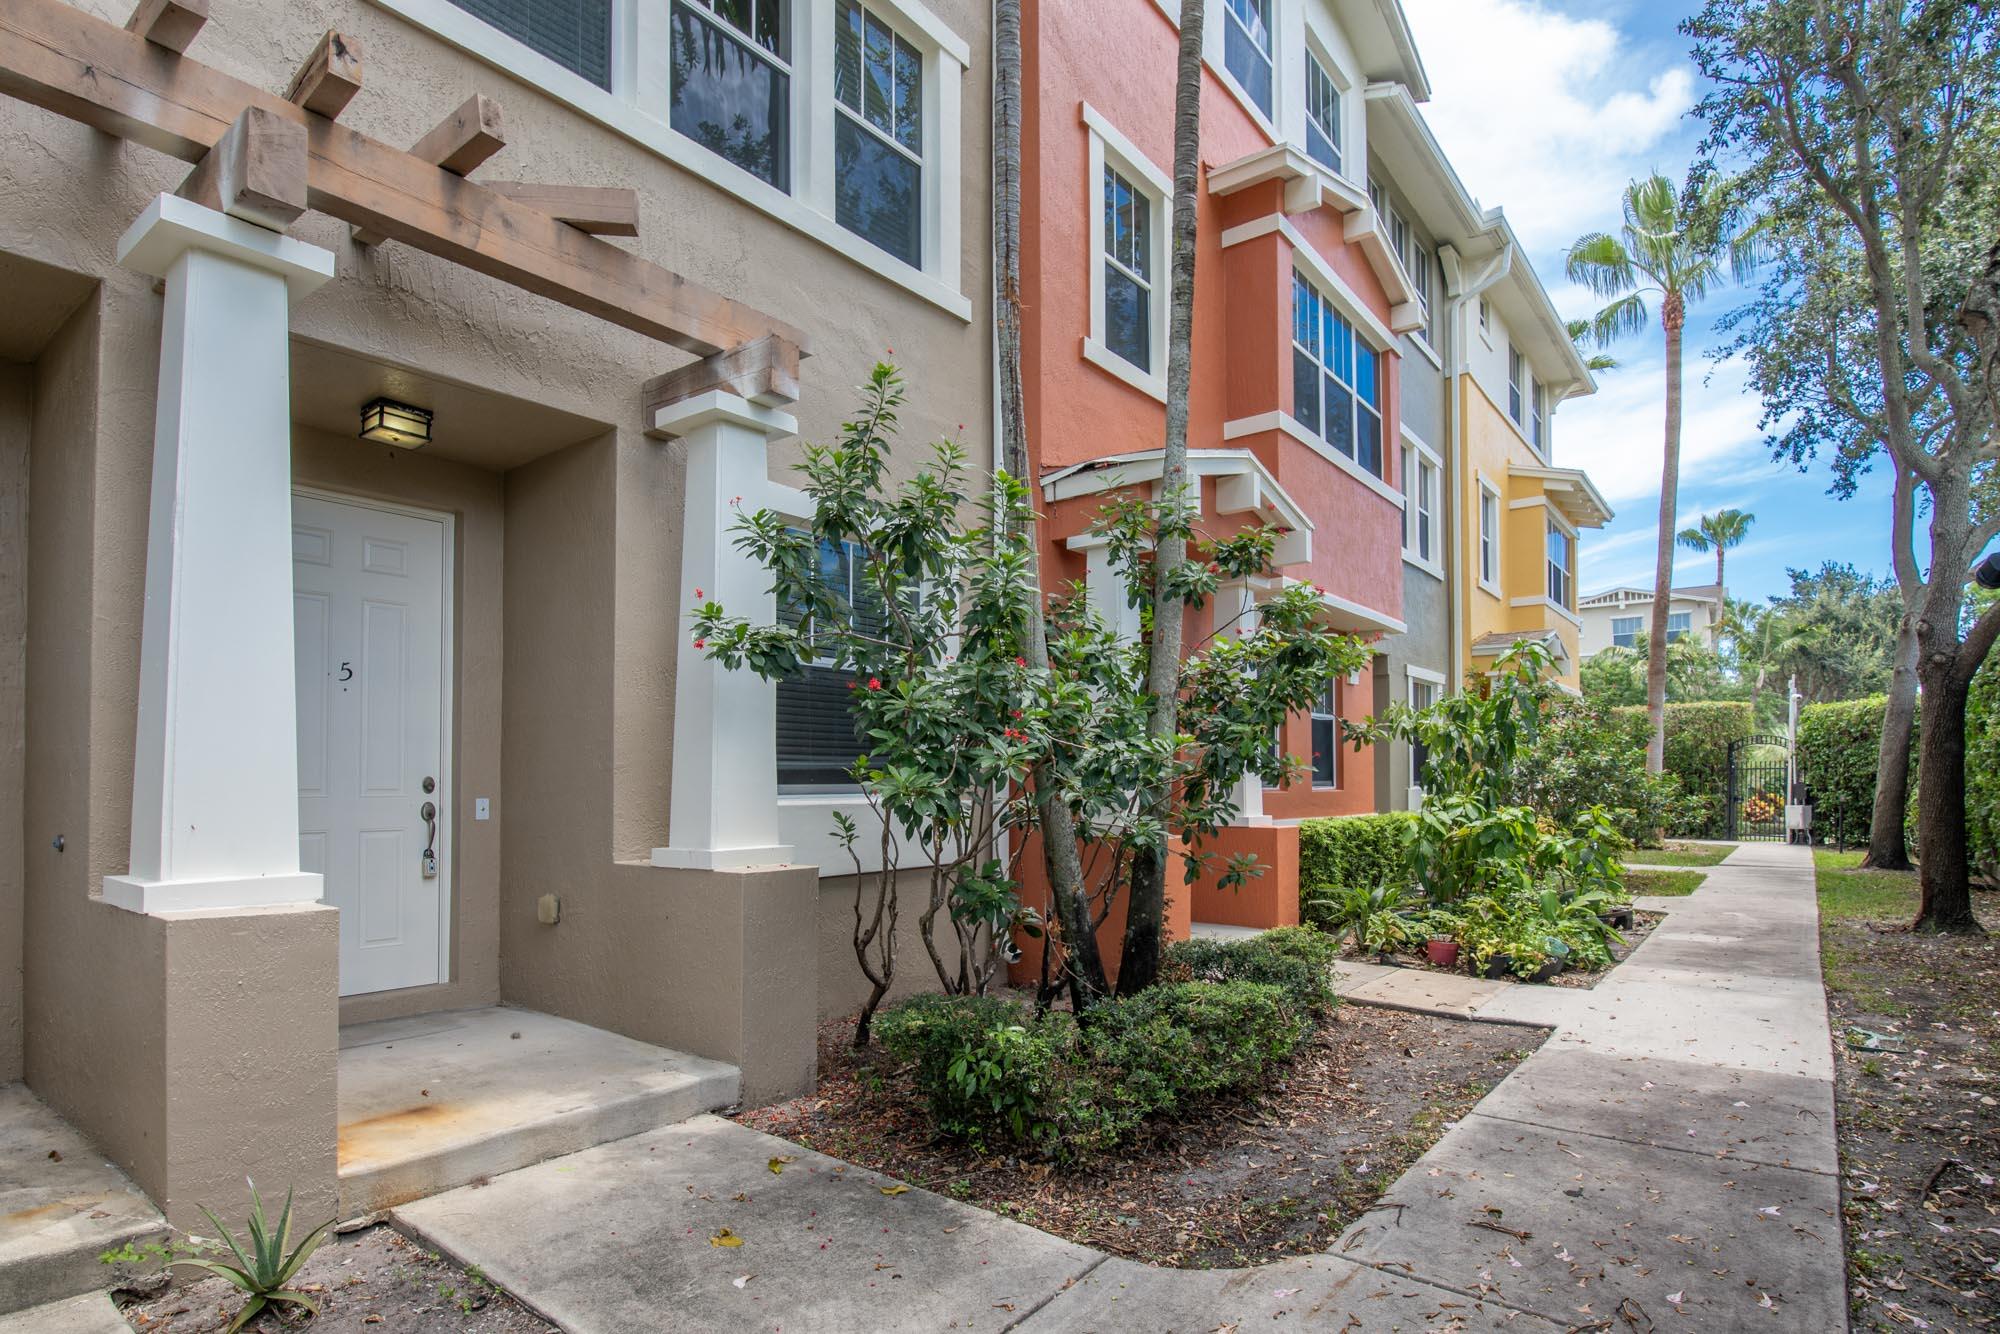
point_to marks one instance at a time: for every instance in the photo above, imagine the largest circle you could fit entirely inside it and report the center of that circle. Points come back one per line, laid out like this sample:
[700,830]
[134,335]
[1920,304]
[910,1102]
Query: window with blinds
[818,735]
[576,34]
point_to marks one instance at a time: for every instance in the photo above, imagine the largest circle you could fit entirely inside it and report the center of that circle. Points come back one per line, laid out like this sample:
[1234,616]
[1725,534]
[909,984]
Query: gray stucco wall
[1424,645]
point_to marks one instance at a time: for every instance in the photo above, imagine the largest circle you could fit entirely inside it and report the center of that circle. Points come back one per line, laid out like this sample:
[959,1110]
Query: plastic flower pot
[1546,972]
[1442,951]
[1500,965]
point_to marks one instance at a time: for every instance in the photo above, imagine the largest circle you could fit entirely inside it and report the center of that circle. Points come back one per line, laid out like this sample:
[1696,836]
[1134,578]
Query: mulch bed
[1642,926]
[1919,1121]
[1239,1184]
[367,1282]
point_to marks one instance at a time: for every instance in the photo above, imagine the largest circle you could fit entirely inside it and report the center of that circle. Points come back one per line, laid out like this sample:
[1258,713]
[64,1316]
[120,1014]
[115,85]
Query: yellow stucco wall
[1493,447]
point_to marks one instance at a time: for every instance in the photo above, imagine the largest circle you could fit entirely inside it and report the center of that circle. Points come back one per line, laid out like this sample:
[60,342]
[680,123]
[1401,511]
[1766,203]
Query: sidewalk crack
[1037,1308]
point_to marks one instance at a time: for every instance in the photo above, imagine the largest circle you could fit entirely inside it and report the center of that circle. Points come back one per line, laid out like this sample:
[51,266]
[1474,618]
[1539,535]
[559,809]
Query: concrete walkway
[1665,1161]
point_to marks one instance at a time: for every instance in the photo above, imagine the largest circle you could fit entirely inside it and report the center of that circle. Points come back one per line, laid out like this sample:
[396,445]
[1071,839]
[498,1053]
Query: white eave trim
[1587,507]
[1296,429]
[1552,605]
[1243,486]
[1383,336]
[1307,184]
[1346,610]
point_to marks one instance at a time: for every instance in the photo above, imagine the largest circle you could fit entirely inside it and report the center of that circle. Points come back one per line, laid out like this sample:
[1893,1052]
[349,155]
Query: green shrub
[1296,959]
[1583,756]
[1351,851]
[985,1066]
[1175,1044]
[1698,737]
[1840,748]
[1982,769]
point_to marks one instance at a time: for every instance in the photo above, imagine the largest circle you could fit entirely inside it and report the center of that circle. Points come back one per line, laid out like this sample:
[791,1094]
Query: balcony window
[1336,378]
[1420,500]
[576,34]
[1246,48]
[732,83]
[1624,631]
[1562,583]
[1322,116]
[878,133]
[1128,270]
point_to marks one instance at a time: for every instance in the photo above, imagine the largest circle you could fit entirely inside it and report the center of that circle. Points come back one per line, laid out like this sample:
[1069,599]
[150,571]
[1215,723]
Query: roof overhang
[1243,485]
[1380,34]
[1398,134]
[1539,331]
[1493,645]
[1572,493]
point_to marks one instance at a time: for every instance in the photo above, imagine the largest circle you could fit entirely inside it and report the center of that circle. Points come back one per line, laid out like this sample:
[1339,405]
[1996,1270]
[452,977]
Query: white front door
[369,611]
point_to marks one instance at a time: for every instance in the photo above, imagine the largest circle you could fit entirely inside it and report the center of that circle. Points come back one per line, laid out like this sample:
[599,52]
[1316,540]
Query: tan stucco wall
[16,408]
[472,496]
[843,987]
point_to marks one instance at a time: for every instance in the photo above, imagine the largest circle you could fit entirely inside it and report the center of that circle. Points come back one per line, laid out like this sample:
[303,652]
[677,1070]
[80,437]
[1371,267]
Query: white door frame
[448,667]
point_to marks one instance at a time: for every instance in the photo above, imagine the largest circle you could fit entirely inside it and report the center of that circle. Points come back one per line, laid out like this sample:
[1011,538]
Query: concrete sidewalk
[1665,1161]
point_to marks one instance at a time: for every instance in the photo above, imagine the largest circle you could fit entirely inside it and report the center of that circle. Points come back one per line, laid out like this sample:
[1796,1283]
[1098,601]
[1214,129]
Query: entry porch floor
[444,1100]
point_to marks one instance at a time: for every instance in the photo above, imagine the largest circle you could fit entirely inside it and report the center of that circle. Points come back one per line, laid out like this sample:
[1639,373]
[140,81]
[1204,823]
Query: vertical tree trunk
[1082,966]
[1888,847]
[1672,314]
[1139,964]
[1945,879]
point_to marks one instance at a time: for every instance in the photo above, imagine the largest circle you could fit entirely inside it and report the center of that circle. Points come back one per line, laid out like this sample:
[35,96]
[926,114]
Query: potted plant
[1441,950]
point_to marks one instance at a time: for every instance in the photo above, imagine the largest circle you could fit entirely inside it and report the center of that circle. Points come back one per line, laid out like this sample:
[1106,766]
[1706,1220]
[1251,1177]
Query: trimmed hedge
[1698,737]
[1840,745]
[1982,768]
[1352,851]
[992,1072]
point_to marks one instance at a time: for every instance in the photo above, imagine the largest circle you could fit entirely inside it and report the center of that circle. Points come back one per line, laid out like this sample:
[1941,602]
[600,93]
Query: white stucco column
[1236,603]
[215,791]
[1104,586]
[724,810]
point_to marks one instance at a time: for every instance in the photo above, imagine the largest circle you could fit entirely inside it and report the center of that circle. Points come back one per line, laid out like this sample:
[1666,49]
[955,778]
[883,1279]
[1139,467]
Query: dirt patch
[1242,1184]
[1917,1085]
[369,1282]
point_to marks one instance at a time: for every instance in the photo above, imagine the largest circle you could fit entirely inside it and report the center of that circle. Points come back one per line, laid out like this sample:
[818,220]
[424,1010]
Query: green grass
[1671,883]
[1682,854]
[1848,892]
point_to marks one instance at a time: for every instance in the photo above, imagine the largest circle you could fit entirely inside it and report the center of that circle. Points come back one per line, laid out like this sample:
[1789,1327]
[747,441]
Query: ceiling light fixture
[387,422]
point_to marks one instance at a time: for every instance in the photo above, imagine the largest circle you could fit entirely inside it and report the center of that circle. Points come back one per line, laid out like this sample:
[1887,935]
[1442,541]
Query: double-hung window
[878,133]
[1246,48]
[1326,739]
[1322,115]
[1128,270]
[1679,623]
[1538,399]
[1336,378]
[1624,631]
[1423,694]
[732,83]
[818,739]
[1516,390]
[576,34]
[1420,498]
[1489,536]
[1562,581]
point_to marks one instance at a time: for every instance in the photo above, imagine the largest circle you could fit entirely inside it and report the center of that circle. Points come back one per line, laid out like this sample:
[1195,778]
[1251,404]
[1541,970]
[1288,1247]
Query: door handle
[429,811]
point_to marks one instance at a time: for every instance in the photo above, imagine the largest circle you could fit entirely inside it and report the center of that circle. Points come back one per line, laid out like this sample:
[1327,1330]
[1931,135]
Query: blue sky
[1547,109]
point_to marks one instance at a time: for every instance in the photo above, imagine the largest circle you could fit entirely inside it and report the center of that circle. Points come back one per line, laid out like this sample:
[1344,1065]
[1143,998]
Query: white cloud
[1542,113]
[1617,435]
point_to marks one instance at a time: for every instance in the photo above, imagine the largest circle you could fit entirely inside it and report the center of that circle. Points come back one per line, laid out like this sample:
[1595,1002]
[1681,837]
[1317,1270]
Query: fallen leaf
[777,1164]
[740,1282]
[895,1190]
[725,1238]
[1674,1298]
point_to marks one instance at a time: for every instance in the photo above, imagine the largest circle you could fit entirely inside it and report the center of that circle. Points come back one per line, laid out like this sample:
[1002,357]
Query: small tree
[941,691]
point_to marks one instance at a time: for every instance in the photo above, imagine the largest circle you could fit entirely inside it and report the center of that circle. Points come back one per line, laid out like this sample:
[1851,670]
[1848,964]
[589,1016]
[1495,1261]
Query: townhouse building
[1618,617]
[378,381]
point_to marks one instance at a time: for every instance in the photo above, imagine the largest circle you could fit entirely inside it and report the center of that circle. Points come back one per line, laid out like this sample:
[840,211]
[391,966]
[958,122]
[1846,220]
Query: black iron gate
[1754,790]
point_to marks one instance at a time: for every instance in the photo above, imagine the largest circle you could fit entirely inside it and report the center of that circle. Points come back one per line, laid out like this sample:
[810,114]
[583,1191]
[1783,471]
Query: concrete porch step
[445,1100]
[61,1206]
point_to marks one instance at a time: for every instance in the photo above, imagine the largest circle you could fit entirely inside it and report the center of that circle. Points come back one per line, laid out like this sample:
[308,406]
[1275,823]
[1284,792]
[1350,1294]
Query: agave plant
[266,1267]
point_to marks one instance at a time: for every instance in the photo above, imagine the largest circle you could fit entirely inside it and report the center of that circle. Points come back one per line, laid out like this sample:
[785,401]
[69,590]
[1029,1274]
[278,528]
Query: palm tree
[1717,532]
[1673,245]
[1596,361]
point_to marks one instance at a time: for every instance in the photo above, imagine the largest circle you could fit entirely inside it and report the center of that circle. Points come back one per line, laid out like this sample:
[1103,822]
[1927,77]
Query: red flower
[697,592]
[1020,662]
[1214,568]
[701,643]
[874,683]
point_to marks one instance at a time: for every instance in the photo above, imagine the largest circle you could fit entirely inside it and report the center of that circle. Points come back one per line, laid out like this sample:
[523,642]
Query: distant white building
[1616,617]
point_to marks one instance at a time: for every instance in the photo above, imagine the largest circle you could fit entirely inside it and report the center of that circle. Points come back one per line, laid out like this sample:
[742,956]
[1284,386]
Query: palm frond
[1600,262]
[1694,539]
[1627,315]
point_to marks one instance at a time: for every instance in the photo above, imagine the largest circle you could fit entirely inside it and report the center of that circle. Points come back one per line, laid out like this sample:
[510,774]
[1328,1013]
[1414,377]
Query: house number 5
[347,671]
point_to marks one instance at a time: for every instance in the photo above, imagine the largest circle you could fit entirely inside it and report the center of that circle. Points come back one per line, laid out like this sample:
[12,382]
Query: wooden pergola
[266,158]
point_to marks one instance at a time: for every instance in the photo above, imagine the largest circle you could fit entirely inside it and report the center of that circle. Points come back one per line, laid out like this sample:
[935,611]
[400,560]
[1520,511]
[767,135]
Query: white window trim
[1293,427]
[1486,488]
[1432,565]
[1110,148]
[1412,675]
[637,108]
[1212,56]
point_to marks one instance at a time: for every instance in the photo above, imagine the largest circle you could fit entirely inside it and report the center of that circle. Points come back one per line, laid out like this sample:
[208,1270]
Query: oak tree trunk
[1888,844]
[1944,875]
[1145,917]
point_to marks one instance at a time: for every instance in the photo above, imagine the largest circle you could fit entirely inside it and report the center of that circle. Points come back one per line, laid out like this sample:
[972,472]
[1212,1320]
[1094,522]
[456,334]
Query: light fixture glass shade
[387,422]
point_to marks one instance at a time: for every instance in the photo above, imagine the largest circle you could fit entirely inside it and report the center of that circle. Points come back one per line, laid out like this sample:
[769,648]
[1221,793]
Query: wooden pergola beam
[58,57]
[458,143]
[256,171]
[765,372]
[169,23]
[330,77]
[601,210]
